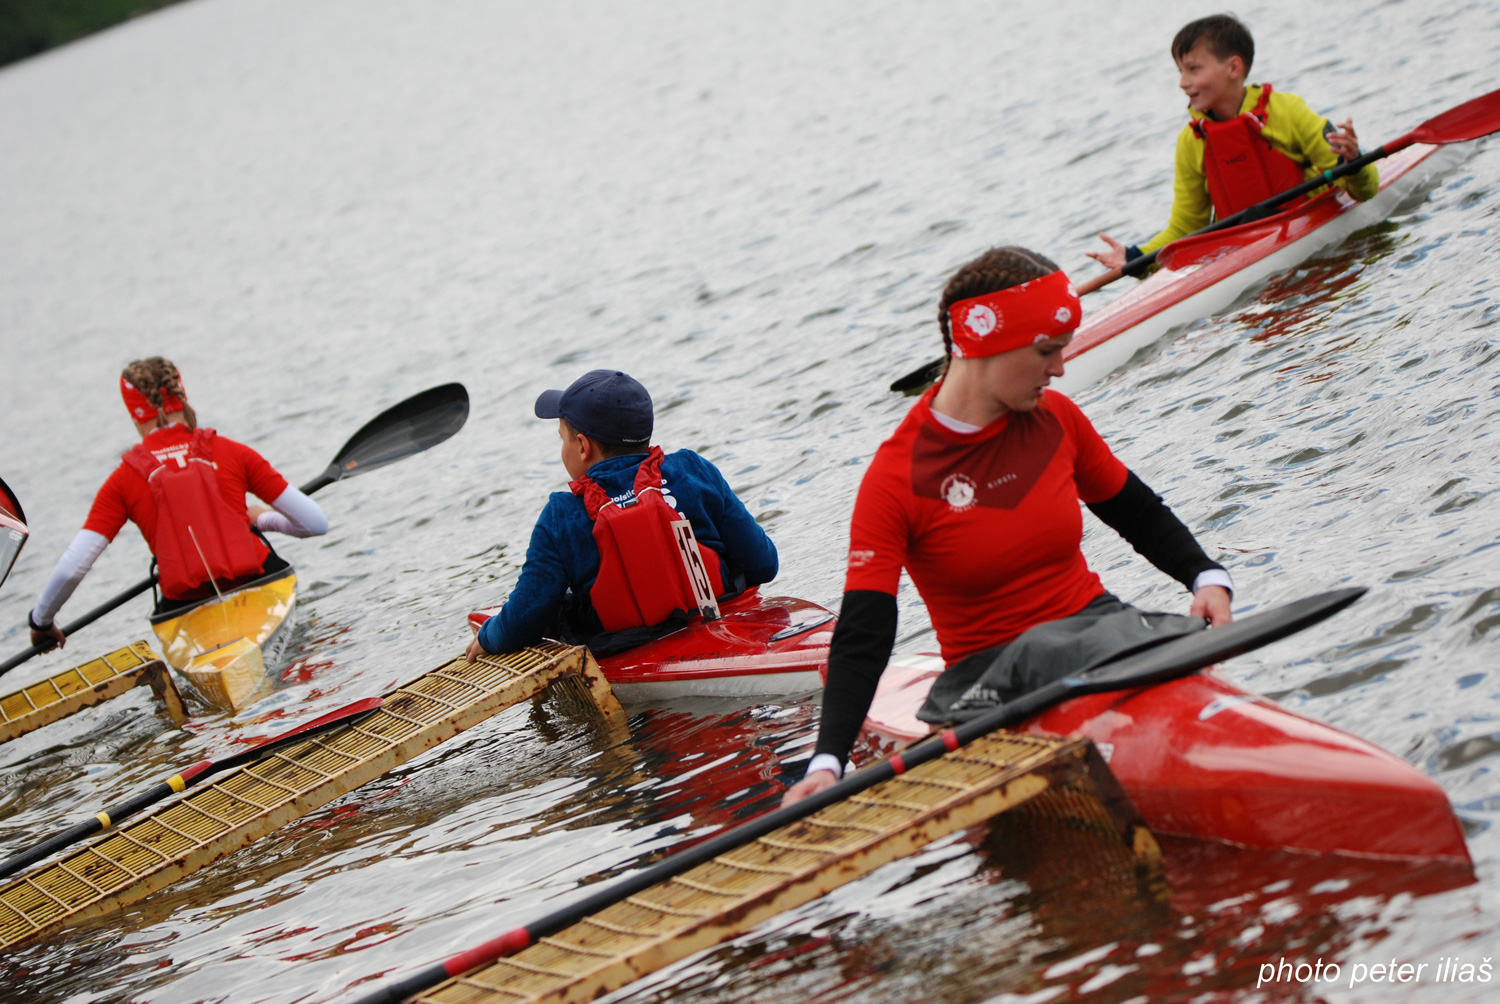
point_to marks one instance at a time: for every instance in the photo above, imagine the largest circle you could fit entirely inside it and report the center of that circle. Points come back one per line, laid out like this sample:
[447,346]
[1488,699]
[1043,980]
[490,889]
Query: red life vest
[1241,166]
[198,536]
[650,564]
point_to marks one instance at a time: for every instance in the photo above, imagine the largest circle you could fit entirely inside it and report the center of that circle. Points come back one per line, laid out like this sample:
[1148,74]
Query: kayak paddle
[1167,661]
[416,424]
[181,782]
[1470,120]
[9,504]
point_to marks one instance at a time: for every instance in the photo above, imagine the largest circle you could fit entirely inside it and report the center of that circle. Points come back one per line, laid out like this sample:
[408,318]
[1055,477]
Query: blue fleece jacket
[562,554]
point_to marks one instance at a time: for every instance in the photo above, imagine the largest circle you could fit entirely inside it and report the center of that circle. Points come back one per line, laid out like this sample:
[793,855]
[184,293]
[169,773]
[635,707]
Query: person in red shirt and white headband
[184,486]
[976,496]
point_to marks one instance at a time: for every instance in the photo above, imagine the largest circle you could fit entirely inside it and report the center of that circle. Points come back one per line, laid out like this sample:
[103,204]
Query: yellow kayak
[222,645]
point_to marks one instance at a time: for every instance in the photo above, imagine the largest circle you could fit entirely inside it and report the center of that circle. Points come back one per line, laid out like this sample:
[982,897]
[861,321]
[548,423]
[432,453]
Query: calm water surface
[317,210]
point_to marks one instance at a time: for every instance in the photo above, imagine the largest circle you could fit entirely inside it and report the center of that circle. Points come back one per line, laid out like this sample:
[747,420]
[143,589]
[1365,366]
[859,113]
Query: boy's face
[1211,83]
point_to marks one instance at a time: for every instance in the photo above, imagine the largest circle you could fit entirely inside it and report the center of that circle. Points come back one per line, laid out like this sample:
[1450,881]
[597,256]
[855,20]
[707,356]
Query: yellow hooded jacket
[1291,127]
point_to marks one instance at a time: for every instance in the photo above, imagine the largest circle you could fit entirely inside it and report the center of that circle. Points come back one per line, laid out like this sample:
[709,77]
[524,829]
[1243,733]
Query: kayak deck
[71,691]
[1202,758]
[222,645]
[1048,780]
[152,852]
[761,646]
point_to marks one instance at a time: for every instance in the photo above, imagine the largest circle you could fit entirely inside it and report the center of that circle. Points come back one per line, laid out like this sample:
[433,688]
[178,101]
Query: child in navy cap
[641,542]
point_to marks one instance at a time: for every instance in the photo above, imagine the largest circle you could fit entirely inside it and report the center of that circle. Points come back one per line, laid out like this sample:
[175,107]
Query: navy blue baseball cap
[606,405]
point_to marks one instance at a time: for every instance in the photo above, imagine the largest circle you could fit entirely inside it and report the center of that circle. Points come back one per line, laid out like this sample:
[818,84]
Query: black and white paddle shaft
[186,779]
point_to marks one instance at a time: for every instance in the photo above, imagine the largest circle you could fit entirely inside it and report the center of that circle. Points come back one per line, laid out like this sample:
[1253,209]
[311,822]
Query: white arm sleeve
[1213,577]
[296,515]
[825,761]
[71,568]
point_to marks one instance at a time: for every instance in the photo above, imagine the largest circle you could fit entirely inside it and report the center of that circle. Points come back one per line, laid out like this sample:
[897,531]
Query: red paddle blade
[1470,120]
[1204,248]
[347,711]
[9,504]
[333,719]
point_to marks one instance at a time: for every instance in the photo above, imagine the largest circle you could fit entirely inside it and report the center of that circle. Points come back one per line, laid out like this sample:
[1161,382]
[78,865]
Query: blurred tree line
[28,27]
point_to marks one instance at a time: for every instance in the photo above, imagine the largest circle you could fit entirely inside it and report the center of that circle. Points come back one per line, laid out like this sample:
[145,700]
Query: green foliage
[28,27]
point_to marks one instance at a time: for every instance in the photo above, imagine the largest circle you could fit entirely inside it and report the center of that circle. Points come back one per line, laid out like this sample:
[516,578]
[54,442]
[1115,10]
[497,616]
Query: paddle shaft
[1167,661]
[321,481]
[181,782]
[1271,206]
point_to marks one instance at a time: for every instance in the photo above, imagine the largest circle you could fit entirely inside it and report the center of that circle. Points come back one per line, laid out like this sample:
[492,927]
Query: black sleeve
[1140,516]
[861,647]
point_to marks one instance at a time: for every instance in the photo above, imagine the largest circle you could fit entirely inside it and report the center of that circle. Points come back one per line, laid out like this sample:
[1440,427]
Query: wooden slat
[208,823]
[1060,781]
[72,690]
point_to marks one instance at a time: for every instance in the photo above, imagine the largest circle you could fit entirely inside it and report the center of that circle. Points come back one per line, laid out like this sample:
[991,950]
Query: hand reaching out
[1114,257]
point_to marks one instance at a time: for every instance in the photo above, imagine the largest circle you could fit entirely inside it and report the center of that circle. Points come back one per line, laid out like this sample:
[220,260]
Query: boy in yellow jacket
[1244,143]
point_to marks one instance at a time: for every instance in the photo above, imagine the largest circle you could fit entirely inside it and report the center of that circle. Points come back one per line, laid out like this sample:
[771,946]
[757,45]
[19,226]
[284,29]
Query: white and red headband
[142,410]
[1014,318]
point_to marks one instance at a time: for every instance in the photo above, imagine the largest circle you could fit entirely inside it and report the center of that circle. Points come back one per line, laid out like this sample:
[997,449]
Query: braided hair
[154,376]
[996,269]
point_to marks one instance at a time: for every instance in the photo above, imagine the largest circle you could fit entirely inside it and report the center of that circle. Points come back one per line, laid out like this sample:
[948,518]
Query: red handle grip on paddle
[509,943]
[195,770]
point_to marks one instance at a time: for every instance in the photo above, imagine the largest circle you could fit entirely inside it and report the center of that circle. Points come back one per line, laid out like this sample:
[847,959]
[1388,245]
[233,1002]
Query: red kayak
[1206,274]
[1203,759]
[761,646]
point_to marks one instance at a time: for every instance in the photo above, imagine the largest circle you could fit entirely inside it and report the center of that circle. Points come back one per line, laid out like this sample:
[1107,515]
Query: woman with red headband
[184,486]
[976,496]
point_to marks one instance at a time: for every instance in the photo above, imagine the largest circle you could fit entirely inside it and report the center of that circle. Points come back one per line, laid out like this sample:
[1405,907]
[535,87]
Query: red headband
[1015,317]
[141,410]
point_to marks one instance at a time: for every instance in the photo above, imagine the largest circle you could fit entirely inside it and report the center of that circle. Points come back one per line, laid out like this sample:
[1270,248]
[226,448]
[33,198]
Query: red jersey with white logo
[987,524]
[125,496]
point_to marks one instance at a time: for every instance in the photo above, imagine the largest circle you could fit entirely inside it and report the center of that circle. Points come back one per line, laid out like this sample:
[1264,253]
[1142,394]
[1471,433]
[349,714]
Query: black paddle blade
[416,424]
[919,379]
[1172,659]
[1470,120]
[1204,648]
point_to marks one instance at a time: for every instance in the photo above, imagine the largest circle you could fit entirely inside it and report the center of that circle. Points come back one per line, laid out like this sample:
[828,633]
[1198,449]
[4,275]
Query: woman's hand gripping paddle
[1470,120]
[1167,661]
[186,779]
[402,430]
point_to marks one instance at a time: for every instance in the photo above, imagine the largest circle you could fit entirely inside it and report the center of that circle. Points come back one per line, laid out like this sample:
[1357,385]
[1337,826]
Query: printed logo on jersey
[996,472]
[177,452]
[860,557]
[959,491]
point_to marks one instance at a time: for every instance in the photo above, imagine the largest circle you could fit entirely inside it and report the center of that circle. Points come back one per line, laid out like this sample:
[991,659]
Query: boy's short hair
[606,449]
[1222,33]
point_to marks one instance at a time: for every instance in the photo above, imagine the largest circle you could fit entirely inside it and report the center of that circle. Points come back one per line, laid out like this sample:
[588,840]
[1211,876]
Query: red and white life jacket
[650,564]
[198,538]
[1240,165]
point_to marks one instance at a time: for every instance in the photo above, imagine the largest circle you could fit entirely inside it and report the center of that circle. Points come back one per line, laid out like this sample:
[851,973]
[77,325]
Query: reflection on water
[318,210]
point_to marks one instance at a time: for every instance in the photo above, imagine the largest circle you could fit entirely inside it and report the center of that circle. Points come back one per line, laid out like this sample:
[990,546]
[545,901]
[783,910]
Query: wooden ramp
[1059,782]
[69,692]
[215,819]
